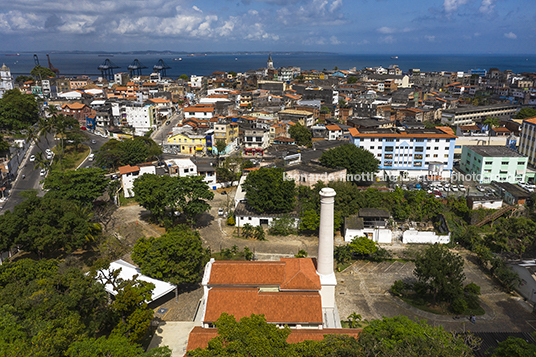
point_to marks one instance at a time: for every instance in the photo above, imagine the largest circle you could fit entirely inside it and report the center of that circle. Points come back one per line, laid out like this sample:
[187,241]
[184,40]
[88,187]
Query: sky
[341,26]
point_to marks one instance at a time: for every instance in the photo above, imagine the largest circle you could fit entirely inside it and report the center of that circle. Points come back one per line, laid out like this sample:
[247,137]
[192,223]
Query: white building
[6,80]
[130,173]
[181,167]
[370,223]
[196,81]
[140,117]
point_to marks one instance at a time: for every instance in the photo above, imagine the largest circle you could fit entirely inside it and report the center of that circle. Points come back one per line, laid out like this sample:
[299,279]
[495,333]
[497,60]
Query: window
[419,149]
[372,148]
[436,148]
[427,155]
[488,163]
[504,163]
[389,140]
[446,155]
[435,155]
[436,140]
[372,140]
[521,163]
[419,140]
[427,148]
[389,149]
[185,171]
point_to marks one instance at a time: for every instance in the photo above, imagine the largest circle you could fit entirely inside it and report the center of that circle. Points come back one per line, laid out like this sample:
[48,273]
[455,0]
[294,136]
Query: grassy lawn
[425,303]
[126,201]
[73,156]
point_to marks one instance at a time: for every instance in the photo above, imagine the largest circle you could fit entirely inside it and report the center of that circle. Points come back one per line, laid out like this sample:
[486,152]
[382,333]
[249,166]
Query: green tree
[363,246]
[351,80]
[18,110]
[39,72]
[83,185]
[441,271]
[267,191]
[514,347]
[184,77]
[513,235]
[491,123]
[177,256]
[46,225]
[161,193]
[247,230]
[301,134]
[220,146]
[259,233]
[22,79]
[342,254]
[356,160]
[117,346]
[399,336]
[251,336]
[310,220]
[115,153]
[525,113]
[4,145]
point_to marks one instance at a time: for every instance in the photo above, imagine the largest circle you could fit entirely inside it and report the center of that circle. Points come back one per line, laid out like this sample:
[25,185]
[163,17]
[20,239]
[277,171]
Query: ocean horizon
[76,64]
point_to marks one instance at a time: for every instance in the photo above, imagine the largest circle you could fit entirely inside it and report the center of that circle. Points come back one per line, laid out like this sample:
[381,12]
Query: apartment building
[414,152]
[140,117]
[470,115]
[255,141]
[527,140]
[493,163]
[187,142]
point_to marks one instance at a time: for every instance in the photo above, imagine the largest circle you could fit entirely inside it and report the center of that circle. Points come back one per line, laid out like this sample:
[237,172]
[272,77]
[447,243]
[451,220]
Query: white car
[221,212]
[43,172]
[32,158]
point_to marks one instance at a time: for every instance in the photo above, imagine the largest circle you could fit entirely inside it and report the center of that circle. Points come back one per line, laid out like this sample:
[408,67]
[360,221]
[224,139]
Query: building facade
[493,163]
[527,140]
[409,151]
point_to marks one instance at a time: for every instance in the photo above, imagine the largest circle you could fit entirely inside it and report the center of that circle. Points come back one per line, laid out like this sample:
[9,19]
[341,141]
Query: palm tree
[491,123]
[258,232]
[247,230]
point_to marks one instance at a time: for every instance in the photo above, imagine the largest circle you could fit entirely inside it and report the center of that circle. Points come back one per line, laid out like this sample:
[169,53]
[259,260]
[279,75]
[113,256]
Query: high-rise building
[6,80]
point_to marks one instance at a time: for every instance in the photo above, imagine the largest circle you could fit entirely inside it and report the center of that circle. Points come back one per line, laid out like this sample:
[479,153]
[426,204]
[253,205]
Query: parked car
[32,158]
[221,212]
[91,157]
[93,142]
[43,172]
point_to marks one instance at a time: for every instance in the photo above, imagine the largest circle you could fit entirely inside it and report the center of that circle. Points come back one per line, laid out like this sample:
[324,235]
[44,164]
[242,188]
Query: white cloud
[197,9]
[430,38]
[334,41]
[487,6]
[452,5]
[510,35]
[388,39]
[335,5]
[386,30]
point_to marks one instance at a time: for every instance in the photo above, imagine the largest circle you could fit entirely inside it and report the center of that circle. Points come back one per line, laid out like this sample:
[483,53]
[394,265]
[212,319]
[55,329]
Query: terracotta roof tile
[300,274]
[278,307]
[531,120]
[247,273]
[332,127]
[128,169]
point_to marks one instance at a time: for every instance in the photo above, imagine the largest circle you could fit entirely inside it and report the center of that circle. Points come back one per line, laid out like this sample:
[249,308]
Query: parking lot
[364,288]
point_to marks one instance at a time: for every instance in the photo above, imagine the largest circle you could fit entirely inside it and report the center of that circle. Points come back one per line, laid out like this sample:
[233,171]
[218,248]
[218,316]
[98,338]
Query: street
[160,134]
[32,173]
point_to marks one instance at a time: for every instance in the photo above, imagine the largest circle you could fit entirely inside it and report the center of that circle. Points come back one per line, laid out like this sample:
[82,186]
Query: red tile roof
[333,127]
[531,120]
[128,169]
[300,274]
[291,307]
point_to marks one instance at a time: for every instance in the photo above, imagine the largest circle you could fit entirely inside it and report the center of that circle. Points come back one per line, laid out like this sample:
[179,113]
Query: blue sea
[70,64]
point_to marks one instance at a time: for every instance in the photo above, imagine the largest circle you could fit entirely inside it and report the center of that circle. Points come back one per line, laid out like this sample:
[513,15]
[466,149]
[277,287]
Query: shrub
[343,254]
[381,255]
[398,288]
[231,221]
[282,226]
[459,305]
[301,254]
[472,288]
[248,254]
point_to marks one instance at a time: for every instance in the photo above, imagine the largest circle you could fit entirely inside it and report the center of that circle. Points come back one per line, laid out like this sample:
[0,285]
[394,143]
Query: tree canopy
[396,336]
[46,225]
[513,235]
[83,185]
[440,271]
[177,256]
[399,336]
[354,159]
[267,191]
[525,113]
[160,194]
[48,309]
[301,134]
[18,110]
[40,72]
[116,153]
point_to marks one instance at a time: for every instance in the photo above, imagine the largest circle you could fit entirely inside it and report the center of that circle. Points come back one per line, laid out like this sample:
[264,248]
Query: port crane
[135,68]
[107,69]
[160,67]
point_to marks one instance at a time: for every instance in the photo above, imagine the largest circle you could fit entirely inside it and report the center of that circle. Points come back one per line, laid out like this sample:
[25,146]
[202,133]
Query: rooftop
[493,151]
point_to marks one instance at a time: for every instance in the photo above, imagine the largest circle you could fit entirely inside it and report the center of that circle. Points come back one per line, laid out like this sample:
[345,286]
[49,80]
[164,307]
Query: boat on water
[177,59]
[394,57]
[13,54]
[105,55]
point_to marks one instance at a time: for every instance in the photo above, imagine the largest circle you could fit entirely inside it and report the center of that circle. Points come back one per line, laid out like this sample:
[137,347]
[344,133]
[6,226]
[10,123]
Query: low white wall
[527,288]
[256,221]
[424,237]
[379,235]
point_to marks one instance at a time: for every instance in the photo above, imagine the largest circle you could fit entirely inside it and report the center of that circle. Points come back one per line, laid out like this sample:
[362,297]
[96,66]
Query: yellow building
[188,143]
[227,132]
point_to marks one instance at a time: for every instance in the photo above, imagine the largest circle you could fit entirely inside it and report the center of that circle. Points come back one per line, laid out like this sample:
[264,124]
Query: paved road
[160,134]
[32,174]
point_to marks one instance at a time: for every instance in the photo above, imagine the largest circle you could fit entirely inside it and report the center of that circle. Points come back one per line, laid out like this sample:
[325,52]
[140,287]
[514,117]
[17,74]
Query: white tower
[6,80]
[325,249]
[270,63]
